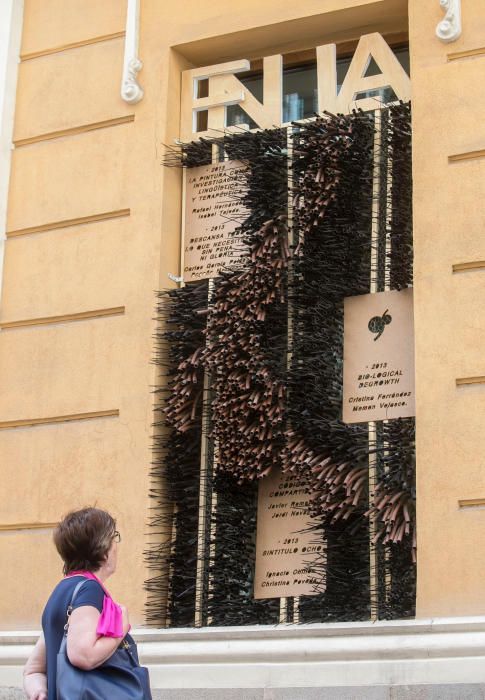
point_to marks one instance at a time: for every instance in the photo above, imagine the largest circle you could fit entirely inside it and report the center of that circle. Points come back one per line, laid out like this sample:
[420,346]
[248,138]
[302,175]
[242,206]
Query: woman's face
[112,558]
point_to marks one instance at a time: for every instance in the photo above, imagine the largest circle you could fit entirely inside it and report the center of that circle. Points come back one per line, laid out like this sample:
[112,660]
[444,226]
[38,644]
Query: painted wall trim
[470,155]
[63,318]
[75,130]
[466,266]
[73,45]
[11,21]
[131,91]
[31,422]
[441,651]
[462,381]
[20,527]
[470,53]
[67,223]
[449,29]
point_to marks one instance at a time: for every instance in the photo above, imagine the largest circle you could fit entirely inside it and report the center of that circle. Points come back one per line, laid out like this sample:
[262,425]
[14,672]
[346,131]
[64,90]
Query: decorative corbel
[449,29]
[131,90]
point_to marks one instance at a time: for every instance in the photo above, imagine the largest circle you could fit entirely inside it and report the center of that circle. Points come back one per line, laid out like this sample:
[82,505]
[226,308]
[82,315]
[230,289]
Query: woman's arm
[35,679]
[84,648]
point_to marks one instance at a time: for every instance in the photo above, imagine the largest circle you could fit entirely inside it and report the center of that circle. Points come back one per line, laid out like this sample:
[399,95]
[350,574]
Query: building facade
[91,223]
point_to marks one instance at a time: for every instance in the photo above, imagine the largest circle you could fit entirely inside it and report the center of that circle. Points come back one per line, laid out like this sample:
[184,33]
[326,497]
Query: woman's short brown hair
[83,539]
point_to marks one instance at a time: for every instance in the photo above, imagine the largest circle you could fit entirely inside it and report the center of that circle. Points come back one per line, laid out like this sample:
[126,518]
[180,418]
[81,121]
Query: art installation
[253,363]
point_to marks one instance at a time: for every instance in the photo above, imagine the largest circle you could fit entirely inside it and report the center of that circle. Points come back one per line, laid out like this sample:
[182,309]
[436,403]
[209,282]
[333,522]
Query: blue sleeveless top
[54,619]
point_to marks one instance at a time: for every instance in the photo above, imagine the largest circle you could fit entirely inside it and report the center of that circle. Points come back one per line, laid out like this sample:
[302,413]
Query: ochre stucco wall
[104,363]
[82,366]
[67,81]
[449,220]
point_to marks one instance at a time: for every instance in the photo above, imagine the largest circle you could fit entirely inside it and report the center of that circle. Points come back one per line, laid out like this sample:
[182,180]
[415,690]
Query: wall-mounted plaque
[284,551]
[378,356]
[213,211]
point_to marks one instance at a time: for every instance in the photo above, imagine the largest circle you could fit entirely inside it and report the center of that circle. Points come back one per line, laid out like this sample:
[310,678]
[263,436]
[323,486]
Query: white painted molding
[412,652]
[131,91]
[449,29]
[11,20]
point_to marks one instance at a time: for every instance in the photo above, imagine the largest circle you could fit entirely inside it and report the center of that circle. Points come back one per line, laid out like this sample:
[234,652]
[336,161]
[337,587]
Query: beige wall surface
[93,228]
[85,197]
[449,219]
[54,24]
[88,77]
[94,223]
[29,292]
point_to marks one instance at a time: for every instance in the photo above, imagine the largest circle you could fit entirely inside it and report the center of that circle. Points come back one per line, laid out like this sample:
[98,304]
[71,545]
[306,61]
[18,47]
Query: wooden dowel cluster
[333,178]
[275,402]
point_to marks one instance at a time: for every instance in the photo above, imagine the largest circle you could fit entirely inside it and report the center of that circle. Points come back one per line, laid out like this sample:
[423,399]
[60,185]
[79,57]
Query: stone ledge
[414,692]
[360,654]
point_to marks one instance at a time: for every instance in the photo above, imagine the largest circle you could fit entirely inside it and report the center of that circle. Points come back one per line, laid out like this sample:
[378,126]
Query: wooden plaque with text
[283,552]
[378,357]
[213,211]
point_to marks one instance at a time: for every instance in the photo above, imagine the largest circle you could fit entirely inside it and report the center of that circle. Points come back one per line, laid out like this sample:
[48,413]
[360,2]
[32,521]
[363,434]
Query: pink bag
[111,619]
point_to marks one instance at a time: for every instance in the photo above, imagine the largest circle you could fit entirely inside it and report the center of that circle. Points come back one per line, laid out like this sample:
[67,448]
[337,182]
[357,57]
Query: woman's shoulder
[62,590]
[68,584]
[89,593]
[58,601]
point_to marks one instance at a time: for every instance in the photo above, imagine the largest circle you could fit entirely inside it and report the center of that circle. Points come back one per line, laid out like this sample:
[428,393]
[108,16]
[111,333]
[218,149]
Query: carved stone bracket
[449,29]
[131,91]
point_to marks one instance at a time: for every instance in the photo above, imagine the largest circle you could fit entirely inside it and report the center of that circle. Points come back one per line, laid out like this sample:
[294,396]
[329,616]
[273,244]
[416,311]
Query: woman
[87,541]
